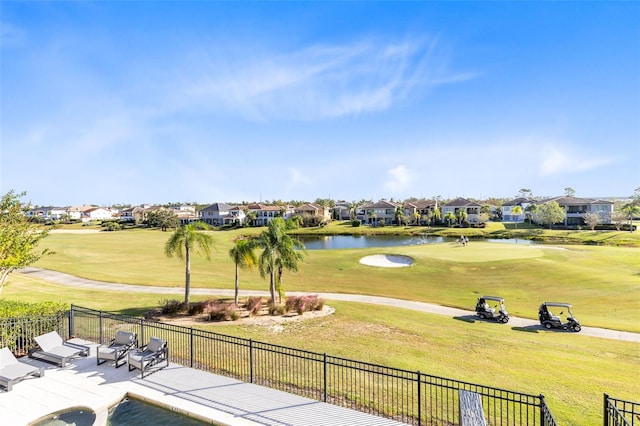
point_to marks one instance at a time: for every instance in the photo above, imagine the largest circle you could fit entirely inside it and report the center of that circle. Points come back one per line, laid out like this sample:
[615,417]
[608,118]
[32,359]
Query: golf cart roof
[496,298]
[562,305]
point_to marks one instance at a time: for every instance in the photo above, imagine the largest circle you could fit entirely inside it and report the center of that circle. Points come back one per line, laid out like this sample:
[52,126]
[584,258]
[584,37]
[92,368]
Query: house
[219,214]
[342,210]
[472,209]
[420,210]
[265,214]
[135,214]
[96,213]
[315,212]
[378,213]
[575,209]
[521,202]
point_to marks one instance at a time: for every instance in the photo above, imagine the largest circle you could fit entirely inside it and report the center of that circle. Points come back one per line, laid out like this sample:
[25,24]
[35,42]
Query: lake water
[367,241]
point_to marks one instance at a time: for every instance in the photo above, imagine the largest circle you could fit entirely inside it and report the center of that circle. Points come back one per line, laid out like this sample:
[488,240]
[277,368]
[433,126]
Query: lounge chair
[55,350]
[117,349]
[155,352]
[12,370]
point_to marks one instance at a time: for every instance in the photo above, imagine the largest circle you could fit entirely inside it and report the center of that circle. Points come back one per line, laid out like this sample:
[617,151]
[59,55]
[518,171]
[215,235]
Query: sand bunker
[387,260]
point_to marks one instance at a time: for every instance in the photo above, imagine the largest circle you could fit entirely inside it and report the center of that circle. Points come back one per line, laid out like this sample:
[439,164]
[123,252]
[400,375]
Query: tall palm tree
[515,211]
[279,251]
[631,210]
[185,240]
[531,209]
[244,257]
[435,217]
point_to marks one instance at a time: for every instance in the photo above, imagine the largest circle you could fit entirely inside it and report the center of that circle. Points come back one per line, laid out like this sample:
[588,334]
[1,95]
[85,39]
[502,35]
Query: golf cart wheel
[505,320]
[547,325]
[577,328]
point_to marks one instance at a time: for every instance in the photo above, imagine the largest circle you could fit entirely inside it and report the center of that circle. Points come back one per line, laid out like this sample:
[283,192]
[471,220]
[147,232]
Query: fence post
[543,419]
[142,332]
[324,367]
[605,411]
[71,322]
[191,347]
[250,360]
[100,328]
[419,399]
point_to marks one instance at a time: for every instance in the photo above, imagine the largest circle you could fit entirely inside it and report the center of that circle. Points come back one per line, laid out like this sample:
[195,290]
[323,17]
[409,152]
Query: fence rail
[618,412]
[410,397]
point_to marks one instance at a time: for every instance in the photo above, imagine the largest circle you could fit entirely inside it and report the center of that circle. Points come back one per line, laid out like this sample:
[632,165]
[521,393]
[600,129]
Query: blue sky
[155,102]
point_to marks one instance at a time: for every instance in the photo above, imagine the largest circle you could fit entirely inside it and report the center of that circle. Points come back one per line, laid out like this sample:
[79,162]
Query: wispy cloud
[563,160]
[322,81]
[399,179]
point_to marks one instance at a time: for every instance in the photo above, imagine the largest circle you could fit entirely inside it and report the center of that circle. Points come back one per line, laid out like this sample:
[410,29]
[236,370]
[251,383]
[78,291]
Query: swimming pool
[128,412]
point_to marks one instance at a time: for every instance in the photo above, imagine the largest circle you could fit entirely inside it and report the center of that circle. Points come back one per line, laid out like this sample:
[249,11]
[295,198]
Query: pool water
[133,412]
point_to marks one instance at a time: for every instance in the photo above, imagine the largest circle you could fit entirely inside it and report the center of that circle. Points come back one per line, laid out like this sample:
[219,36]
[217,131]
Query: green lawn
[602,282]
[571,370]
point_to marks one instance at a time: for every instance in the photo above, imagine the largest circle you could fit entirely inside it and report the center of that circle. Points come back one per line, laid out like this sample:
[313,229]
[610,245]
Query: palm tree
[631,210]
[244,257]
[531,209]
[450,217]
[515,211]
[279,252]
[182,242]
[435,217]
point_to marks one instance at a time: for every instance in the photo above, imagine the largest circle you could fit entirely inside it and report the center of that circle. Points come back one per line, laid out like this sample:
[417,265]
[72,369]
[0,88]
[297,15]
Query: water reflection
[367,241]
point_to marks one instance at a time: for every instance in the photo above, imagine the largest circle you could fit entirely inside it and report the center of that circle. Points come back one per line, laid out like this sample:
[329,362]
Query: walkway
[216,399]
[71,280]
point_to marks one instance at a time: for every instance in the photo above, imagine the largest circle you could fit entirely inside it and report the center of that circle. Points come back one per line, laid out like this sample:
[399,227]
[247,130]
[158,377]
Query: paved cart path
[514,322]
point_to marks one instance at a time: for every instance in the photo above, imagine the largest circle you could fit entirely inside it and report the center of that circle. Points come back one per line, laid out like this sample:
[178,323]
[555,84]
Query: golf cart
[548,320]
[484,310]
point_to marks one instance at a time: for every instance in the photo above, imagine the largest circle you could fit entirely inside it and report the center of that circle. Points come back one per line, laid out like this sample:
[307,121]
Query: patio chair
[155,352]
[55,350]
[12,370]
[117,349]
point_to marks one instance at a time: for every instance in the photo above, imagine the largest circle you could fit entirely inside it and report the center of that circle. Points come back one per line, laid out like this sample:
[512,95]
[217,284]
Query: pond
[329,242]
[367,241]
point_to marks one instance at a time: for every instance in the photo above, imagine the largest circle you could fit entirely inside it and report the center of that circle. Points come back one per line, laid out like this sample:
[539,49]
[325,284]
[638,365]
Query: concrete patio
[215,399]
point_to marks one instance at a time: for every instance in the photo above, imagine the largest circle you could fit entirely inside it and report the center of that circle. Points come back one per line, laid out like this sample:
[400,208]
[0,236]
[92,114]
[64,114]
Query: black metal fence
[407,396]
[18,333]
[618,412]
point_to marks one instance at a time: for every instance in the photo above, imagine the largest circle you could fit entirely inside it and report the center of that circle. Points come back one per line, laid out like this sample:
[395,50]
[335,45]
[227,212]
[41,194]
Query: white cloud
[399,179]
[320,82]
[563,160]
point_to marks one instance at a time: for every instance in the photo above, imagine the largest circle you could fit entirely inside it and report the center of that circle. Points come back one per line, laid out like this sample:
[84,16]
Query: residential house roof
[461,202]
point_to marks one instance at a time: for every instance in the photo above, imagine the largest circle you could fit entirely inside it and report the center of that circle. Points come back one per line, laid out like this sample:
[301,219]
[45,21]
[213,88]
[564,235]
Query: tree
[531,210]
[462,216]
[416,218]
[279,251]
[618,218]
[19,238]
[450,217]
[550,213]
[525,193]
[515,211]
[435,217]
[569,192]
[398,214]
[483,217]
[630,210]
[591,220]
[163,218]
[184,240]
[244,257]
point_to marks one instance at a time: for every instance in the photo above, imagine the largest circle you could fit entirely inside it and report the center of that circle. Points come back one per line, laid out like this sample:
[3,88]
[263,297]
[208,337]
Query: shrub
[171,307]
[356,223]
[276,310]
[253,305]
[302,304]
[219,310]
[197,308]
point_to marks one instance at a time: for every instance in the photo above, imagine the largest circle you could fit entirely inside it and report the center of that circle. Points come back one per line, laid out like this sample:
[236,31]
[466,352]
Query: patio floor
[216,399]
